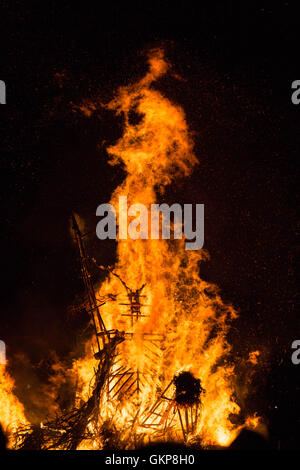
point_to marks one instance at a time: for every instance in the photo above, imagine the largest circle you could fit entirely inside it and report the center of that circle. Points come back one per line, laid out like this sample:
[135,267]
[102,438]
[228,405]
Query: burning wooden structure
[113,377]
[158,327]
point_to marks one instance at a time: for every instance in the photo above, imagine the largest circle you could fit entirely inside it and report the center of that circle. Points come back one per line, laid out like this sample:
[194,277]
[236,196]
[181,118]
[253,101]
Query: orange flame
[11,409]
[183,308]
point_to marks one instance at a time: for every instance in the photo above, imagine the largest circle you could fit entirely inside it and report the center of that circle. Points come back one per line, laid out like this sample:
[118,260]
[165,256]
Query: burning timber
[84,423]
[69,430]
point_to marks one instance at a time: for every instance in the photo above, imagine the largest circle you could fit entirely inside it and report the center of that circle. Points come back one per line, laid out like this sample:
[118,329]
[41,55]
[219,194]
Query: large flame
[156,149]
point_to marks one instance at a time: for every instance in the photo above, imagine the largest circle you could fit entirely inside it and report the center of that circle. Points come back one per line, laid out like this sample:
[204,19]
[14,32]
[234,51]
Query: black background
[238,60]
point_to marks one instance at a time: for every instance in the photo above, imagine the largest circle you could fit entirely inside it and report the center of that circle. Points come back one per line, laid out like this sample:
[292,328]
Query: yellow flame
[180,305]
[11,409]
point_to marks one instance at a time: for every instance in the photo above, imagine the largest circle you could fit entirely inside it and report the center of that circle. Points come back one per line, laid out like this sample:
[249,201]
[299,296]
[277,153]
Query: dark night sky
[238,60]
